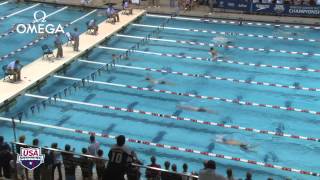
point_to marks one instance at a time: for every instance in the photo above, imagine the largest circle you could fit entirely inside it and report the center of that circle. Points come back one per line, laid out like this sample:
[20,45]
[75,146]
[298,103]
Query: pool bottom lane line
[165,146]
[218,60]
[221,45]
[232,80]
[18,12]
[178,118]
[4,3]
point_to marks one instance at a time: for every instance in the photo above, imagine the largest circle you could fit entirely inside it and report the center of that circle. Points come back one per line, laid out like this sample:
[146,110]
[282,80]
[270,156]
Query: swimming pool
[262,82]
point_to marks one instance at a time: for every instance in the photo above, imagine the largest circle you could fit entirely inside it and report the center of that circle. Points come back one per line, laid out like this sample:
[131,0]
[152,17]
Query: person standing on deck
[58,45]
[76,39]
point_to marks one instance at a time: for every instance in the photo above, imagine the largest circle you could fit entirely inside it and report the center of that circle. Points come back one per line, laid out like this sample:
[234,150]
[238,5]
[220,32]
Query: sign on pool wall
[281,9]
[265,8]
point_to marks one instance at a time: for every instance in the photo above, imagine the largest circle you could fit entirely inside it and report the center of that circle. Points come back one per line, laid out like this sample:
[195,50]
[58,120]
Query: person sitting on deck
[92,24]
[112,13]
[126,8]
[14,68]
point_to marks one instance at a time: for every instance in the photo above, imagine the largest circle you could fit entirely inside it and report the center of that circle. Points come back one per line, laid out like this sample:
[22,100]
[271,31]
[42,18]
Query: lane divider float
[166,146]
[218,60]
[223,46]
[236,22]
[211,77]
[230,33]
[178,118]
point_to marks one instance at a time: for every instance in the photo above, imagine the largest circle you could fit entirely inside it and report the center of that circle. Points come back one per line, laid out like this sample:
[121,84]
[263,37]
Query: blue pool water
[287,152]
[16,40]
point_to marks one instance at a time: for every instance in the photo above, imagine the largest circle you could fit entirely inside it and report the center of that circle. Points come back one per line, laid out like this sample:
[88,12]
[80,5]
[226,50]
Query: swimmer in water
[224,140]
[197,109]
[158,81]
[214,54]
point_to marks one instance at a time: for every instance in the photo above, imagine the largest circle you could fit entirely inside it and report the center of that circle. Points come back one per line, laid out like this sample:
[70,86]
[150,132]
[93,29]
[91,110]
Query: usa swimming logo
[30,158]
[38,25]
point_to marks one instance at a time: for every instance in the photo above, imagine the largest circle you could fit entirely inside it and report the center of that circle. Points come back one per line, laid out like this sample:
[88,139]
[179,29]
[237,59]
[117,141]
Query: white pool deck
[40,69]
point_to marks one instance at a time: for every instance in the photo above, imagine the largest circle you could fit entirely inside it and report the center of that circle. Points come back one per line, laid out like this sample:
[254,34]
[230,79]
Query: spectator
[76,39]
[69,162]
[174,175]
[47,165]
[21,171]
[133,172]
[6,157]
[166,175]
[211,3]
[86,165]
[119,159]
[57,161]
[14,68]
[185,171]
[36,171]
[154,3]
[3,147]
[248,176]
[172,3]
[208,173]
[58,45]
[153,174]
[93,146]
[229,174]
[100,164]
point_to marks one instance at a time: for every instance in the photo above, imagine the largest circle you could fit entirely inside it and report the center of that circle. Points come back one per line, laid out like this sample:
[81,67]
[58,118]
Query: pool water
[56,15]
[110,88]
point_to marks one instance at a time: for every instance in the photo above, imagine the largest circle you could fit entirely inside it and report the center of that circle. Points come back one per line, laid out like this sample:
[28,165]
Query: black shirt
[119,159]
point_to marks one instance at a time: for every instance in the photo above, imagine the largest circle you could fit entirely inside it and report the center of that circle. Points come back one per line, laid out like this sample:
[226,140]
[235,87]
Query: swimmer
[158,81]
[197,109]
[223,140]
[214,54]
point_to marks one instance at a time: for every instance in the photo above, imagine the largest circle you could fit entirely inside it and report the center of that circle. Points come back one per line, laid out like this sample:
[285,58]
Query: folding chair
[6,74]
[47,52]
[90,29]
[126,9]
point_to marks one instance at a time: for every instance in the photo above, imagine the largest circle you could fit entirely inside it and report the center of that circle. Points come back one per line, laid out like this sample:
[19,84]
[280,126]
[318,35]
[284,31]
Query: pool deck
[40,69]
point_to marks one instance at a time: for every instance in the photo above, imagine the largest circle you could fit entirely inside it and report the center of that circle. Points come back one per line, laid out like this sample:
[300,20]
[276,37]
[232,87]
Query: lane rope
[178,118]
[166,146]
[13,29]
[18,12]
[218,60]
[226,100]
[232,80]
[234,22]
[36,41]
[223,46]
[231,33]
